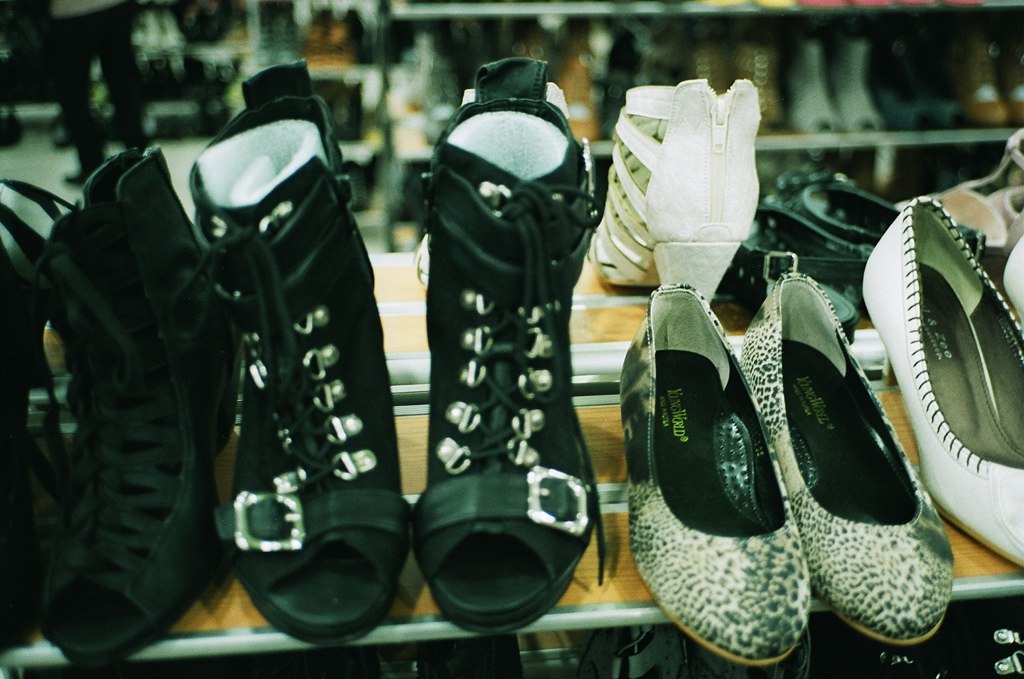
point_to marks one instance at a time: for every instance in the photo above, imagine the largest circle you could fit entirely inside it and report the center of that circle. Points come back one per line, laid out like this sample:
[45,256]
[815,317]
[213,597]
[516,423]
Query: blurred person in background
[79,31]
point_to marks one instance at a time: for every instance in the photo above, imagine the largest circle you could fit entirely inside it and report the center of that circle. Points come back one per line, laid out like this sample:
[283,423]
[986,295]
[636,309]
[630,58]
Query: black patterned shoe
[710,527]
[318,522]
[510,502]
[151,371]
[876,549]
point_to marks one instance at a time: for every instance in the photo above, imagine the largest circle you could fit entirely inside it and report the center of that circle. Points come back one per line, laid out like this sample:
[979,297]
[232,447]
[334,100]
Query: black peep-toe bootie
[510,502]
[151,389]
[317,517]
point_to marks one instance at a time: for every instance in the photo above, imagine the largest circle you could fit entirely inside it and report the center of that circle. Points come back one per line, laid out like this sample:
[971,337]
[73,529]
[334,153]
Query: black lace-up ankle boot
[317,519]
[510,502]
[27,214]
[151,371]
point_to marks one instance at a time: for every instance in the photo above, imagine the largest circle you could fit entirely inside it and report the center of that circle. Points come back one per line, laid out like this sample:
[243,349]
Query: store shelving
[224,622]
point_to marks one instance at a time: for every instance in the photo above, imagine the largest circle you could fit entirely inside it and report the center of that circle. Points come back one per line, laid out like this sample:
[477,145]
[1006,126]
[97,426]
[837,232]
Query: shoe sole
[486,624]
[319,637]
[871,634]
[164,623]
[948,516]
[721,652]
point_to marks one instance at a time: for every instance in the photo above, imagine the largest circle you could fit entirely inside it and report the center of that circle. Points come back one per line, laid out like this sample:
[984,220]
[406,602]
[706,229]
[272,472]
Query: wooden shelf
[224,620]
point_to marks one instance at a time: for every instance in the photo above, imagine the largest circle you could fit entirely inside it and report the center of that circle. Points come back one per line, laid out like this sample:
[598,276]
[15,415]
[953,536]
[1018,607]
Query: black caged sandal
[153,395]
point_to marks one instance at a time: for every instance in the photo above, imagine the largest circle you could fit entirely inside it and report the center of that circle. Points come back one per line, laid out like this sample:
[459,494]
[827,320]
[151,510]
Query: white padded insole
[519,143]
[243,169]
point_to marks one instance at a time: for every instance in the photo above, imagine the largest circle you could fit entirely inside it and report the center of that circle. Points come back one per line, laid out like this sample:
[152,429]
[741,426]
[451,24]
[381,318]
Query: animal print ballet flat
[877,551]
[711,529]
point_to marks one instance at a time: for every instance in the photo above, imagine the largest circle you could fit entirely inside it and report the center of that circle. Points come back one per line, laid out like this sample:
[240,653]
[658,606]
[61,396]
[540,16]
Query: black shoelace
[287,371]
[528,333]
[508,345]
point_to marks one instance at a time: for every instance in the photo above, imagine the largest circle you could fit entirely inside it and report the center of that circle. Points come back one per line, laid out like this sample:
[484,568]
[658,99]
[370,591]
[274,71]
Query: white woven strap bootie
[682,188]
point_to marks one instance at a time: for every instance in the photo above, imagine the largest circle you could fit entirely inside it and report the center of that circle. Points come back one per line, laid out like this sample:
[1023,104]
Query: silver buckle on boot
[535,478]
[248,542]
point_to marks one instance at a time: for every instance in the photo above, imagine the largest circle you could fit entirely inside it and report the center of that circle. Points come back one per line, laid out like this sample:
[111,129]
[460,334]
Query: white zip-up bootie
[682,189]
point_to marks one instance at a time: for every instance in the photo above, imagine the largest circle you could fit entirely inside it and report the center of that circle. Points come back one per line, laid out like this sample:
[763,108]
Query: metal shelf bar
[428,628]
[420,11]
[797,141]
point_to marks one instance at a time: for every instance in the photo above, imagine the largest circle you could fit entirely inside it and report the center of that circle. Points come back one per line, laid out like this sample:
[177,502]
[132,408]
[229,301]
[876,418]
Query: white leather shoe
[682,189]
[958,354]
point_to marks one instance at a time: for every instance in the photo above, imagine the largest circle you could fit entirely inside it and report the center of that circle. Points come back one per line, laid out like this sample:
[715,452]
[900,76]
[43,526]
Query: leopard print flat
[711,529]
[876,548]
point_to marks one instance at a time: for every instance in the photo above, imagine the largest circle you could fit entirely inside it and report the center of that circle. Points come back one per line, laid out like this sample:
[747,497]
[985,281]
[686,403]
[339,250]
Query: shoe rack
[224,622]
[871,148]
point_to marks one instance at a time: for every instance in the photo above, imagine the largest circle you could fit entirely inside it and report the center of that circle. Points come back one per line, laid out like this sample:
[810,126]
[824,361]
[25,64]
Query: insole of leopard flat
[848,467]
[711,459]
[976,365]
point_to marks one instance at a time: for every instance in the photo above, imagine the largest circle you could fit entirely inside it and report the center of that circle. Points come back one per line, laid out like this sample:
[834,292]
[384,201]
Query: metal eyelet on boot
[285,437]
[328,393]
[317,318]
[455,457]
[521,453]
[473,374]
[1014,664]
[281,211]
[542,346]
[289,482]
[465,416]
[471,300]
[350,465]
[258,373]
[342,428]
[219,228]
[477,340]
[535,317]
[257,368]
[535,382]
[319,360]
[495,195]
[528,422]
[1008,636]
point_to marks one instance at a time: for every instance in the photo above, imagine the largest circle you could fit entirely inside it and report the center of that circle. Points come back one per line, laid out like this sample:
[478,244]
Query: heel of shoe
[700,265]
[888,373]
[227,407]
